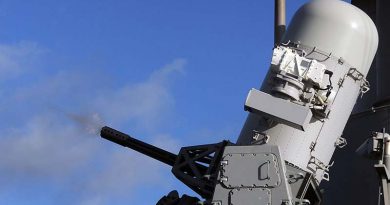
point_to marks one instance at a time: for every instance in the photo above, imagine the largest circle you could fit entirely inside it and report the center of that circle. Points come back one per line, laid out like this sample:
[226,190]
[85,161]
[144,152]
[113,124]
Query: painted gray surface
[250,196]
[355,42]
[281,110]
[338,27]
[252,175]
[259,169]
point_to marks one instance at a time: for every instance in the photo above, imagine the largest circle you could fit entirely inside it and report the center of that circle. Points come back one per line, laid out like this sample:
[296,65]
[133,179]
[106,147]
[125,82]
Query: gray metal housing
[344,39]
[252,175]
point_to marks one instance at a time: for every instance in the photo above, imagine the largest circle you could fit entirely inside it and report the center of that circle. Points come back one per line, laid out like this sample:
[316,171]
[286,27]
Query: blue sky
[171,73]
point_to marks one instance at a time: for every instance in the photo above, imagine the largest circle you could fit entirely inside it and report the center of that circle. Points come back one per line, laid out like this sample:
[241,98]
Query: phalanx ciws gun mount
[296,119]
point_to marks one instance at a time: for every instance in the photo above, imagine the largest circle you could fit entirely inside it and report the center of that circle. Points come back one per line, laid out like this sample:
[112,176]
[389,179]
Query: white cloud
[44,147]
[146,102]
[50,150]
[123,172]
[18,58]
[56,146]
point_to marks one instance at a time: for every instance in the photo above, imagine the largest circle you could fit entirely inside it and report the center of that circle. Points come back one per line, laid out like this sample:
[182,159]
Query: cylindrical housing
[343,38]
[337,27]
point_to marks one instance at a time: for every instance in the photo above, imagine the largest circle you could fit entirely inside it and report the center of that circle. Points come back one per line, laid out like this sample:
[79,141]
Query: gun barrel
[137,145]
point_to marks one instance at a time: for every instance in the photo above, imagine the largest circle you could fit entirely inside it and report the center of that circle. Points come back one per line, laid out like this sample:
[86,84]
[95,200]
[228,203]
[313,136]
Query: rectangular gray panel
[278,109]
[261,170]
